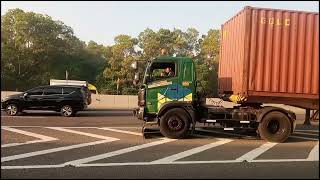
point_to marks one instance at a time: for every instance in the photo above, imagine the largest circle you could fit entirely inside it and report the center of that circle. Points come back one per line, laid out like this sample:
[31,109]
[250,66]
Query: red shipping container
[271,56]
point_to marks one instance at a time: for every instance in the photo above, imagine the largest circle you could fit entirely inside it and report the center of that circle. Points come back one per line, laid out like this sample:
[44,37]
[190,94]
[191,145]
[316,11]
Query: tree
[35,48]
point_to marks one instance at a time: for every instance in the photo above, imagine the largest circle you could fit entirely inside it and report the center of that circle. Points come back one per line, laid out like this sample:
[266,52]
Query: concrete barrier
[102,101]
[8,93]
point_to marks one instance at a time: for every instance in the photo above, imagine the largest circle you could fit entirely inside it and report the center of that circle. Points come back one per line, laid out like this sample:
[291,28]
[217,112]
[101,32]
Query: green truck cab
[168,98]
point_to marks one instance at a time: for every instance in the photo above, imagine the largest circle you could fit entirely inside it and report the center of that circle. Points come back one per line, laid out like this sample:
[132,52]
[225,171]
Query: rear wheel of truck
[175,123]
[275,127]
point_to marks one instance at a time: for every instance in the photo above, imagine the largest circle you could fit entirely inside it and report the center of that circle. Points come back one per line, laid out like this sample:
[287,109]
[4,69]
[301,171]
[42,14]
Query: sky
[101,21]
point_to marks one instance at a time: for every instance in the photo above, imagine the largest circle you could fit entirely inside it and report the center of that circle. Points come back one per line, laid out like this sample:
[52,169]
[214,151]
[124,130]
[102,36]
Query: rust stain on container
[271,53]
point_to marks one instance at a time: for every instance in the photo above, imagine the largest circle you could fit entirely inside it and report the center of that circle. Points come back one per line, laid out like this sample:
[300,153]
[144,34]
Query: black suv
[61,98]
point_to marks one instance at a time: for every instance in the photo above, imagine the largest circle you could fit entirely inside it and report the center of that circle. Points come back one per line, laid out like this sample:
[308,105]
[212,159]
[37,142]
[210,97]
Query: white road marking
[256,152]
[36,153]
[121,131]
[118,152]
[314,153]
[303,133]
[32,166]
[42,138]
[25,117]
[19,144]
[152,163]
[307,130]
[282,160]
[83,133]
[192,151]
[133,127]
[307,138]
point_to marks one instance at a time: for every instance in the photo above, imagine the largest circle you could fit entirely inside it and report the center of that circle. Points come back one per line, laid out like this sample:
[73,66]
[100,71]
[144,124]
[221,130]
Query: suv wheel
[12,109]
[67,111]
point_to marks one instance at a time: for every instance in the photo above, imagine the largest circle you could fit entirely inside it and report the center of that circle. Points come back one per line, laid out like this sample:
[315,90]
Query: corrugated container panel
[233,44]
[271,53]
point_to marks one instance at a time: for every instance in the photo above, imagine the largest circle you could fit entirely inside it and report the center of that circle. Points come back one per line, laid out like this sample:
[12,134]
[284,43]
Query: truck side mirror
[136,78]
[134,65]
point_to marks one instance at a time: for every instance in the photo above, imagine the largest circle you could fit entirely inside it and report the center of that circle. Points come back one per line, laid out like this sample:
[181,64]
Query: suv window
[52,91]
[35,91]
[68,90]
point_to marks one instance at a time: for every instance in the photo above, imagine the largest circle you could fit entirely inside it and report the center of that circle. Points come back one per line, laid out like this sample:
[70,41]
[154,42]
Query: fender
[171,104]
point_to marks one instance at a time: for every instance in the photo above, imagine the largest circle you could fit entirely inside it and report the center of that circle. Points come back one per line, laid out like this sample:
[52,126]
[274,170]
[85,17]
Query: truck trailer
[266,56]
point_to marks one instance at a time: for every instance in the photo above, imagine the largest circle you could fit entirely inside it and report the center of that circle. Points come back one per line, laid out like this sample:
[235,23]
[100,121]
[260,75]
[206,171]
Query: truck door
[187,87]
[162,85]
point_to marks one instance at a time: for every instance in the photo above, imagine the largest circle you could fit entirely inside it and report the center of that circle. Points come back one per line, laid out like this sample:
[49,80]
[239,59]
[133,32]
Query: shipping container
[271,56]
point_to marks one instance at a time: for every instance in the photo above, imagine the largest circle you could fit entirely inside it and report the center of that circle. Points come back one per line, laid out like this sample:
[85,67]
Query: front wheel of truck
[175,123]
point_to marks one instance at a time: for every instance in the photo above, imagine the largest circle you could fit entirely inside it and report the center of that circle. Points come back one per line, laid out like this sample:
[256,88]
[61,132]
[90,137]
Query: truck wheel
[275,127]
[67,111]
[12,109]
[175,124]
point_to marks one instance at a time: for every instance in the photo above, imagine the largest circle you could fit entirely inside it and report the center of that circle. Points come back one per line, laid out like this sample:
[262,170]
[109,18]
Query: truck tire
[275,127]
[175,123]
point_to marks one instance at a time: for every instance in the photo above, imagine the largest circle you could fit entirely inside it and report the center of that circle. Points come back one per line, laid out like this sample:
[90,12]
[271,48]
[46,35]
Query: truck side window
[162,70]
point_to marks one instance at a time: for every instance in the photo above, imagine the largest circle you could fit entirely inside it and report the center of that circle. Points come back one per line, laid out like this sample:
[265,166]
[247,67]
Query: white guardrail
[102,101]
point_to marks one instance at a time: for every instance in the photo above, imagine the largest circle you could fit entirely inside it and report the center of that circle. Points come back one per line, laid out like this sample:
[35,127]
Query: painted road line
[303,133]
[192,151]
[77,127]
[118,152]
[151,163]
[306,138]
[84,133]
[121,131]
[280,160]
[314,153]
[307,130]
[19,144]
[33,166]
[64,148]
[26,117]
[42,138]
[256,152]
[116,164]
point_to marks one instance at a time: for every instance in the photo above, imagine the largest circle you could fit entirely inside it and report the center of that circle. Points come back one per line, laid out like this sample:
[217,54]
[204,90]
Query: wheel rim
[175,123]
[66,110]
[273,126]
[12,109]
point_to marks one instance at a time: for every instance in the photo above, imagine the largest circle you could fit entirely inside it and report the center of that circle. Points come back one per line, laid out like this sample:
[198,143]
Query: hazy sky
[102,21]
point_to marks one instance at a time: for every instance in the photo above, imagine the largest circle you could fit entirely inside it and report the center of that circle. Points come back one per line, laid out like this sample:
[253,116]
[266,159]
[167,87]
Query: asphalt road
[108,144]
